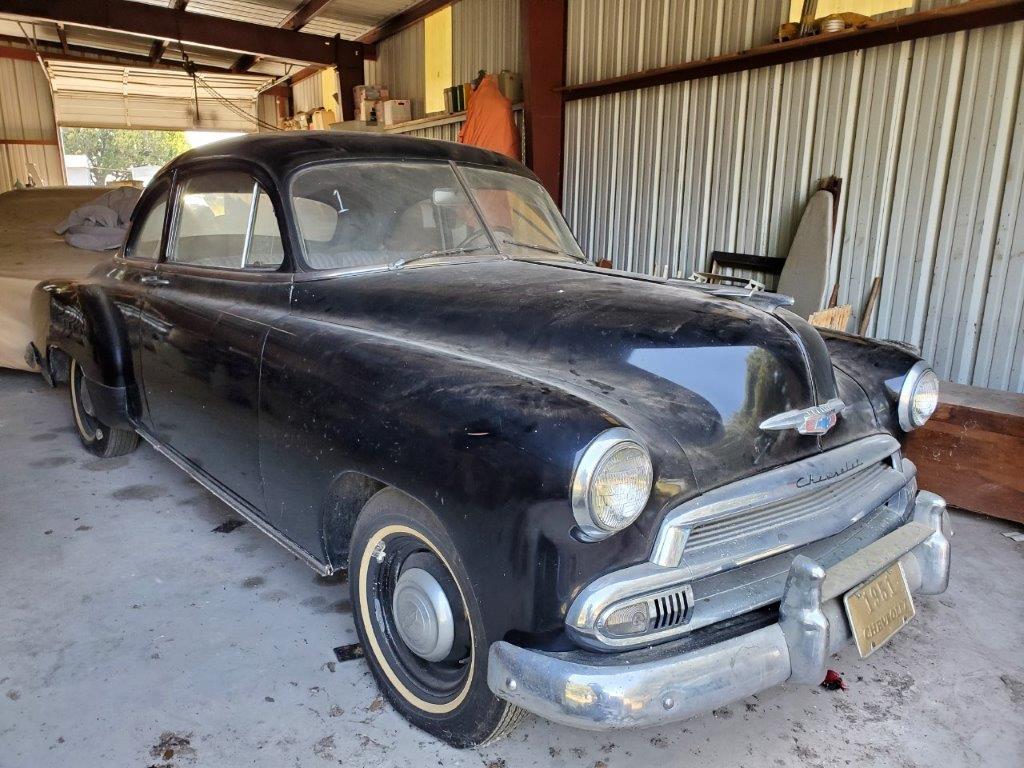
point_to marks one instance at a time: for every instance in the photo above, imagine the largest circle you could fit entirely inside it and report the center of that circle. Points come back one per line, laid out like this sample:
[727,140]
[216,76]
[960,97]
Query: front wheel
[420,624]
[98,438]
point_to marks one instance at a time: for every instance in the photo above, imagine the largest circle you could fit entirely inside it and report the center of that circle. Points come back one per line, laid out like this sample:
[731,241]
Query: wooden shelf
[940,21]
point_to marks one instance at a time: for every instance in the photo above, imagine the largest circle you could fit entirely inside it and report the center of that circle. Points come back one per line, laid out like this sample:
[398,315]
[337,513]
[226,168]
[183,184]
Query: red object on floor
[833,681]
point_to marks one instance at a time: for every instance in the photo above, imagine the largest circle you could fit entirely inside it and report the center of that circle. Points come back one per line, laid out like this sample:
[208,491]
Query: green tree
[112,152]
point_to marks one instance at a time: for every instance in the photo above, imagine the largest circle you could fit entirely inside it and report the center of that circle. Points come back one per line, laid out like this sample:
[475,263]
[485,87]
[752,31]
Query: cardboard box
[367,99]
[394,111]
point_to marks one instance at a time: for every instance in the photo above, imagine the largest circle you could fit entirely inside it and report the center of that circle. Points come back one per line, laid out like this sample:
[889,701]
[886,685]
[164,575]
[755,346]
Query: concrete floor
[131,634]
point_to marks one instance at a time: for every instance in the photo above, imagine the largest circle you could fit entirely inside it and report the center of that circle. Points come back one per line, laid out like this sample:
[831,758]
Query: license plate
[879,608]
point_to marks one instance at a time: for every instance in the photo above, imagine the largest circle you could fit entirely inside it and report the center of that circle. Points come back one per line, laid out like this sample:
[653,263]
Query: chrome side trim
[775,486]
[240,507]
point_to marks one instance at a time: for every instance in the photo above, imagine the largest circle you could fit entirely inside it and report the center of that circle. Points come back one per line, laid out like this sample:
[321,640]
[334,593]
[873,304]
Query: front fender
[489,450]
[877,366]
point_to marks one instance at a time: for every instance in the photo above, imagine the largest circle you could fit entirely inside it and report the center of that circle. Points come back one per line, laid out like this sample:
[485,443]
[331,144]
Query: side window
[225,220]
[146,242]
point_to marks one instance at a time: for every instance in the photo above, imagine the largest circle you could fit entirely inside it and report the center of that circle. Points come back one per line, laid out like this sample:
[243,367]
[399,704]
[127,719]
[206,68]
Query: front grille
[844,494]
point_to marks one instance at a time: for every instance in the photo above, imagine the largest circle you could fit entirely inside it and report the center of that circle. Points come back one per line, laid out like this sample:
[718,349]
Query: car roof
[281,152]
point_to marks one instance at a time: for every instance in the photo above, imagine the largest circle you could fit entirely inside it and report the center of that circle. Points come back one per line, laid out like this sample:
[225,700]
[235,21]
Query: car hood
[701,369]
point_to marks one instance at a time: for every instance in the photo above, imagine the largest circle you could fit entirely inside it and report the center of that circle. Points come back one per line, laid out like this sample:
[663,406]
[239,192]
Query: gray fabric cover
[102,224]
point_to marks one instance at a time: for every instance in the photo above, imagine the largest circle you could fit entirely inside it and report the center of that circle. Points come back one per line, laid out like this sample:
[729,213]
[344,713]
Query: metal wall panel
[928,137]
[309,93]
[26,115]
[400,67]
[485,35]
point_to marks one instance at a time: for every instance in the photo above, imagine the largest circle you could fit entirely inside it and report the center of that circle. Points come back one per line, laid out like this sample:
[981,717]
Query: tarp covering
[489,120]
[101,224]
[30,253]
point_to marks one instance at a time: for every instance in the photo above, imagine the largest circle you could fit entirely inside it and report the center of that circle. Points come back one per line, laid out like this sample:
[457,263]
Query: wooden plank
[971,451]
[939,21]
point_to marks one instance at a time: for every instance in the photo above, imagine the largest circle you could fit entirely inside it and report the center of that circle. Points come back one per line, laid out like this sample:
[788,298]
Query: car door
[136,269]
[222,283]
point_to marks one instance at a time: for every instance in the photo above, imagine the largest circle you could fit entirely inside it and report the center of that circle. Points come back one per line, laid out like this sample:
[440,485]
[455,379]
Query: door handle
[154,280]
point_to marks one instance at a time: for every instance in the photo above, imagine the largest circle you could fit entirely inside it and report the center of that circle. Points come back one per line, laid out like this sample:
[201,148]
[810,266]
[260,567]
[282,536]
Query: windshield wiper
[440,252]
[545,249]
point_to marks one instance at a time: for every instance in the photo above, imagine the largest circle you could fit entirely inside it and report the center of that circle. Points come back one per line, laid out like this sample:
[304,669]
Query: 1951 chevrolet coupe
[607,499]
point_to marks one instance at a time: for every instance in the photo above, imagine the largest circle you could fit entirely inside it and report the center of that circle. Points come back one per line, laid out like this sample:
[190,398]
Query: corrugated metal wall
[314,92]
[485,35]
[26,115]
[400,67]
[928,137]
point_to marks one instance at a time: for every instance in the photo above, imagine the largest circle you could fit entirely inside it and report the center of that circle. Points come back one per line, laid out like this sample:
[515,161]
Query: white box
[394,111]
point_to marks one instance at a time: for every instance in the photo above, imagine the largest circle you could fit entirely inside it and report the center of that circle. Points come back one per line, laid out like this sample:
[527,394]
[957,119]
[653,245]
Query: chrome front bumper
[812,624]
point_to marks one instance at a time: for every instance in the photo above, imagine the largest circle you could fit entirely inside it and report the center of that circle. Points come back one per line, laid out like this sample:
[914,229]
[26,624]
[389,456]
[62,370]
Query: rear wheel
[420,625]
[97,437]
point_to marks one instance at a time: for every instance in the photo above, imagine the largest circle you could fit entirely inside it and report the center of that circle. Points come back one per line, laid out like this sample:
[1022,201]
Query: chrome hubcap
[423,615]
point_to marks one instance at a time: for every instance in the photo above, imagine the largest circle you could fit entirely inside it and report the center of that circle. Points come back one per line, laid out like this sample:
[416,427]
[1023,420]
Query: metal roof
[348,18]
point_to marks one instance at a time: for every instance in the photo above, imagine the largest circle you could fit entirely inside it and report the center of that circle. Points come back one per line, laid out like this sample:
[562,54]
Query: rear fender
[87,326]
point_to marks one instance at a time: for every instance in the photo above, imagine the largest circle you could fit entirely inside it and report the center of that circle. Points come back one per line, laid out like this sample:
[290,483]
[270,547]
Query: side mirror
[446,197]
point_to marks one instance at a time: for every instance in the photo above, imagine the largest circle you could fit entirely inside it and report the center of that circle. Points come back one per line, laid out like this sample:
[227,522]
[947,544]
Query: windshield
[374,213]
[520,214]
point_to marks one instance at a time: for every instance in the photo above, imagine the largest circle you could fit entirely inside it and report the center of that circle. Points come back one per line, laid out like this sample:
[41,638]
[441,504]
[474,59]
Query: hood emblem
[816,420]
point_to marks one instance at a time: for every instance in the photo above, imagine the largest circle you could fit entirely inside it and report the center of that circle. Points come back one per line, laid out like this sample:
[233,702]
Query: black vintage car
[608,499]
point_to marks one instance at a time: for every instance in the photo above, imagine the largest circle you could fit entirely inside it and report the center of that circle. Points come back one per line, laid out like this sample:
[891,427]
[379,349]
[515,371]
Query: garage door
[88,95]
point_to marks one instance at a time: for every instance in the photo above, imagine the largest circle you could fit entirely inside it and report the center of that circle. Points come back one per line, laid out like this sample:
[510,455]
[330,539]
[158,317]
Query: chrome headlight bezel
[590,528]
[908,389]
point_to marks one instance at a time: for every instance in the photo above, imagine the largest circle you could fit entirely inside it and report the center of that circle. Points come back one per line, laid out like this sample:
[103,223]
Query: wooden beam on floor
[971,452]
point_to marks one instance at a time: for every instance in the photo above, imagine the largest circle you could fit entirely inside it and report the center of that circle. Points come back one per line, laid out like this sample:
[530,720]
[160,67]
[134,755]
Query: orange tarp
[489,122]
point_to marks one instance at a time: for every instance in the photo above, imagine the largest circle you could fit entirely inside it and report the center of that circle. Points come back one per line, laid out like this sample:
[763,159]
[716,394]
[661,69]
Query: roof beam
[51,51]
[303,14]
[63,37]
[156,52]
[298,18]
[193,28]
[402,20]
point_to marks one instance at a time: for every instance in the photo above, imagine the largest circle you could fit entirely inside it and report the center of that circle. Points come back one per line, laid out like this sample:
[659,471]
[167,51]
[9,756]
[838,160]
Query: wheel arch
[86,325]
[345,499]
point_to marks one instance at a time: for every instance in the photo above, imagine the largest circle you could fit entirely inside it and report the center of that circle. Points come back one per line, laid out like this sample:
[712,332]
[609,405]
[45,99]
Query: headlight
[919,396]
[611,484]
